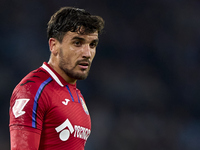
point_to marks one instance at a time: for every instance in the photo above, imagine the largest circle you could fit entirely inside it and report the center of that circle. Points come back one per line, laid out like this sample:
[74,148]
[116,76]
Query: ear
[53,46]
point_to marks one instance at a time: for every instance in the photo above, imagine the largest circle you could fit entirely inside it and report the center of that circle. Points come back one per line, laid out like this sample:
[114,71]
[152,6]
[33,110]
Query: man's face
[76,53]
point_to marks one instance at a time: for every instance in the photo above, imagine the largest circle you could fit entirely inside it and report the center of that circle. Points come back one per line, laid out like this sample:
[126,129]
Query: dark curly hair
[74,20]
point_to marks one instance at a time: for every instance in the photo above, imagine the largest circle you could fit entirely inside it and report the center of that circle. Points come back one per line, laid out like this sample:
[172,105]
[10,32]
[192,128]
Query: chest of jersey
[67,119]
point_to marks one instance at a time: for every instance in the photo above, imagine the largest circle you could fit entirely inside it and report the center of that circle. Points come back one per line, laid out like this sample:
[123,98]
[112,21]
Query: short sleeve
[27,108]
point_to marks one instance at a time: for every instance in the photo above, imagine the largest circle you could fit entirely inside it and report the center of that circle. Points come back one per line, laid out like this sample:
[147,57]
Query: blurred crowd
[143,87]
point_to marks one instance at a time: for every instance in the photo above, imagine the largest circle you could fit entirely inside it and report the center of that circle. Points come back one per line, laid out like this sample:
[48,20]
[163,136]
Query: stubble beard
[70,72]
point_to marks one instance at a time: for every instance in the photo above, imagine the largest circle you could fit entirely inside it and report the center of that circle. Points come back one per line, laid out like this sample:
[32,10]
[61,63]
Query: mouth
[84,64]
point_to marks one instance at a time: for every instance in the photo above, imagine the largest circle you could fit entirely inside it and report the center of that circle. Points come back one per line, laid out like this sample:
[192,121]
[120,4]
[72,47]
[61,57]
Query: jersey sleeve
[20,142]
[27,108]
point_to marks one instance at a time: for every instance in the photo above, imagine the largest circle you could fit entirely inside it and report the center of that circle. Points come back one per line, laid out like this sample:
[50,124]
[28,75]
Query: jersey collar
[55,75]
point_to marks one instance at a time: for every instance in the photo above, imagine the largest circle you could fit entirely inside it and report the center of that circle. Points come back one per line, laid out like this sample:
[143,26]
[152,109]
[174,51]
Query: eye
[93,44]
[77,43]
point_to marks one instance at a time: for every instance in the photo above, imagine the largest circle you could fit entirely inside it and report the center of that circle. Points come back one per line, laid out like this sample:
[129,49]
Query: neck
[61,72]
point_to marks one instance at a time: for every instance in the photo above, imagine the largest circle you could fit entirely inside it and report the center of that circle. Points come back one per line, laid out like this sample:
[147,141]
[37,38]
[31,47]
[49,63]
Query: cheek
[93,53]
[71,55]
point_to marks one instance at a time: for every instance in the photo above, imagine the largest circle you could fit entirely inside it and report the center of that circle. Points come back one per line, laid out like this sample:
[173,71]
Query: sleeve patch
[19,106]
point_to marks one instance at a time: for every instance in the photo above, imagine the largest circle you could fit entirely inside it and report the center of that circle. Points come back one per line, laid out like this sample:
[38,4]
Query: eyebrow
[82,39]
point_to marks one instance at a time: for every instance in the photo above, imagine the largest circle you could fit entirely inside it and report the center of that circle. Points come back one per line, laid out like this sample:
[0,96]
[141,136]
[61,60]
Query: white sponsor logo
[66,129]
[65,133]
[81,132]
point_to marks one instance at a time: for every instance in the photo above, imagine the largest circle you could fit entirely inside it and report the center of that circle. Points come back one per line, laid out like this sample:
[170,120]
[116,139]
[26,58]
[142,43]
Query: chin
[79,76]
[83,76]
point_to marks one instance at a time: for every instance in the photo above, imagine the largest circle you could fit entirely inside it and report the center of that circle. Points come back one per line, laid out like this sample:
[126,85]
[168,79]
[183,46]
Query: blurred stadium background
[144,86]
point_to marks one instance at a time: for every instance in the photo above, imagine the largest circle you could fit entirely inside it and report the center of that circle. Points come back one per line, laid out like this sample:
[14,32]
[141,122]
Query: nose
[87,52]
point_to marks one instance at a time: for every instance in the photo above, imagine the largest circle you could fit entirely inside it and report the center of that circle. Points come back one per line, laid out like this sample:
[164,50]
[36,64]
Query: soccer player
[47,111]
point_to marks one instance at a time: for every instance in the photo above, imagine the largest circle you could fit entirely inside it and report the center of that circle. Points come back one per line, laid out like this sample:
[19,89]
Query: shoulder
[31,83]
[30,89]
[35,77]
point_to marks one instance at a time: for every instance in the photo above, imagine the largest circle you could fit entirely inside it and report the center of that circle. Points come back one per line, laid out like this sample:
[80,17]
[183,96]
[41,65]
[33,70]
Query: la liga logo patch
[84,106]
